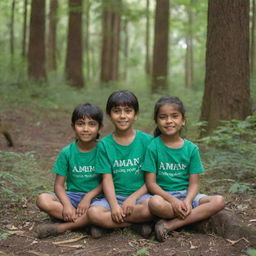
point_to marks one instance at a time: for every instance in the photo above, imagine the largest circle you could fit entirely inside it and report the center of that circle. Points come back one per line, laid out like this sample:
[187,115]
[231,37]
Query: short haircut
[87,110]
[122,98]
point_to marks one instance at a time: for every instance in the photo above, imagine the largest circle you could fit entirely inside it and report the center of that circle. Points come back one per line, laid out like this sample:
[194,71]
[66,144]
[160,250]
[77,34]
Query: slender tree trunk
[253,45]
[160,54]
[189,49]
[87,38]
[24,29]
[74,73]
[126,47]
[227,90]
[52,66]
[36,49]
[147,43]
[12,33]
[111,20]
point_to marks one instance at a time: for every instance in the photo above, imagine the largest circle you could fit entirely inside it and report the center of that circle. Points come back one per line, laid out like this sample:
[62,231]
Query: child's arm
[193,189]
[69,212]
[178,205]
[109,191]
[130,202]
[84,205]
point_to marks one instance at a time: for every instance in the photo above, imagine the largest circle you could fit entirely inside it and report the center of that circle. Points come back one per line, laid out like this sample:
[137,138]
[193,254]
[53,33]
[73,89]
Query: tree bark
[227,90]
[36,49]
[87,39]
[147,40]
[189,72]
[24,29]
[252,46]
[111,20]
[160,54]
[74,73]
[52,66]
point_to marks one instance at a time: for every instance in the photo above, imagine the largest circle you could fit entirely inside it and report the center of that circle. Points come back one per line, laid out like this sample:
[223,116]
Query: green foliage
[20,177]
[235,135]
[251,252]
[142,252]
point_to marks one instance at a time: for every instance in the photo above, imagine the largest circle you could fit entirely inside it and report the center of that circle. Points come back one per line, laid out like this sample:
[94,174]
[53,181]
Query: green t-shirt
[172,166]
[123,162]
[78,167]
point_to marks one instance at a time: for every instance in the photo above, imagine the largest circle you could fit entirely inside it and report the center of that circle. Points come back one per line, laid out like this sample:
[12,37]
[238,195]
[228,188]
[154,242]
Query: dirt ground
[45,135]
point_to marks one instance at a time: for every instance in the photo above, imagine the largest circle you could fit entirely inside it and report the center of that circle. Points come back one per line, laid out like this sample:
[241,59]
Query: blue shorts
[181,195]
[76,197]
[103,202]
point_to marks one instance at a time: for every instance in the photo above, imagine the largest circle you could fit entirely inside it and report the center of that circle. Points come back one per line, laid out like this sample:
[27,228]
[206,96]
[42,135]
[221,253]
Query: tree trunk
[147,43]
[12,33]
[126,47]
[52,35]
[111,20]
[87,38]
[74,73]
[189,49]
[227,90]
[252,46]
[36,49]
[24,29]
[160,54]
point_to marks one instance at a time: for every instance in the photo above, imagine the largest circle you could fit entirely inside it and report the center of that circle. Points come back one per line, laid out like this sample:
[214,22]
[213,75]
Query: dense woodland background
[55,54]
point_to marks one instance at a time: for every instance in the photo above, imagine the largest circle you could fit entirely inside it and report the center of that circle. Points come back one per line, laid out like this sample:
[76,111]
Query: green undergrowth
[20,178]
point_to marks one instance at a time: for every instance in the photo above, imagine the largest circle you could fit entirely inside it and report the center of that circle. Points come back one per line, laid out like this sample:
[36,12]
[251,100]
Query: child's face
[86,129]
[122,117]
[169,120]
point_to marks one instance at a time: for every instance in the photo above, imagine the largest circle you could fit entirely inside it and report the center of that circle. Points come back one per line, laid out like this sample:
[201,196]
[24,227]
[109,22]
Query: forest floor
[44,134]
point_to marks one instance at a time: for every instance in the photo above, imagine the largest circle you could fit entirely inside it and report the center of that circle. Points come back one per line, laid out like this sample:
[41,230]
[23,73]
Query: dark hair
[122,98]
[172,100]
[87,110]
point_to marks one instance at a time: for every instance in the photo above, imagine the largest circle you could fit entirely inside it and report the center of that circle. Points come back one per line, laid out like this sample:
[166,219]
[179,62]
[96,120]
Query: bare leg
[160,207]
[49,204]
[140,213]
[101,216]
[208,206]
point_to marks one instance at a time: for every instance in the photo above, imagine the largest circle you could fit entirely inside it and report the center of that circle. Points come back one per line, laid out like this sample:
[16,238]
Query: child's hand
[188,206]
[128,206]
[117,214]
[69,213]
[179,208]
[82,207]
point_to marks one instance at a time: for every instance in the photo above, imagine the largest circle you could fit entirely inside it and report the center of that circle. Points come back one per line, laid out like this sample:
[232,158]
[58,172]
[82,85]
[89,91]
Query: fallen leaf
[192,246]
[69,240]
[11,227]
[32,226]
[3,253]
[253,220]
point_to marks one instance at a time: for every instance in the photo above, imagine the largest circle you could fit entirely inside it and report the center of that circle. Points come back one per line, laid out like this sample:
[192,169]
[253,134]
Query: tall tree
[227,90]
[52,35]
[87,38]
[24,29]
[253,43]
[147,43]
[189,72]
[161,38]
[111,19]
[74,58]
[36,48]
[12,32]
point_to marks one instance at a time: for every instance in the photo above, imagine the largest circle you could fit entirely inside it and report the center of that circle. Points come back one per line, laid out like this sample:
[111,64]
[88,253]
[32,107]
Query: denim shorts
[181,195]
[76,197]
[103,202]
